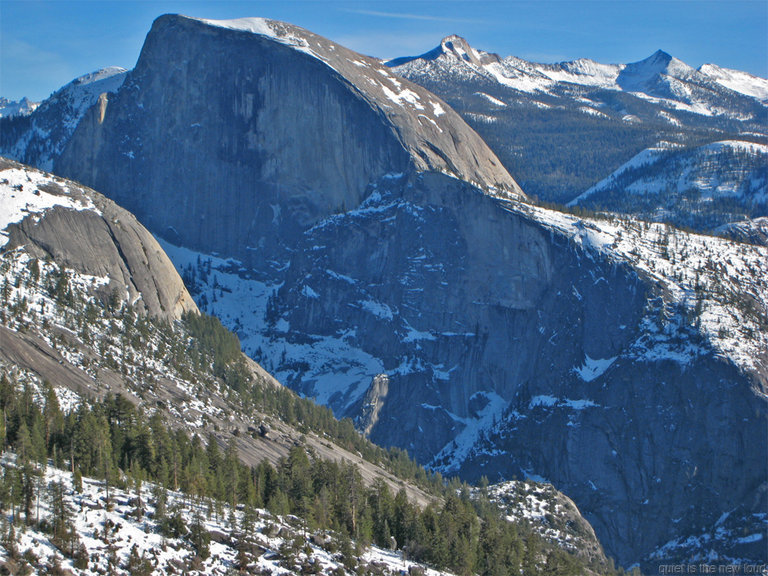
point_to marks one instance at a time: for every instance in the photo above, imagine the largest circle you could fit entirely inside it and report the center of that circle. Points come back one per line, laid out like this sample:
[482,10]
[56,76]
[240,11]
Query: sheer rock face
[226,137]
[105,241]
[511,350]
[464,303]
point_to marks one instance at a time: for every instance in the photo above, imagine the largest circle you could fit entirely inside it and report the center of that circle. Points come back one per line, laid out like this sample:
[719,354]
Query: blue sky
[45,44]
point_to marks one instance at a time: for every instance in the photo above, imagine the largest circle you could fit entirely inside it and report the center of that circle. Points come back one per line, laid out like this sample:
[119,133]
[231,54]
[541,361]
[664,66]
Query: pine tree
[297,470]
[161,501]
[10,543]
[138,478]
[199,537]
[81,557]
[532,557]
[77,481]
[231,472]
[53,419]
[173,525]
[28,484]
[7,402]
[13,481]
[64,533]
[139,564]
[23,443]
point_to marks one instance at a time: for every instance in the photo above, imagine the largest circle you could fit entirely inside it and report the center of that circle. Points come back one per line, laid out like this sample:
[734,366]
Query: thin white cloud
[406,16]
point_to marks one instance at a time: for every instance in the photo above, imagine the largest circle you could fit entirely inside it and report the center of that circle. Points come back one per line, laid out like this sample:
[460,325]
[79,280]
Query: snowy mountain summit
[643,75]
[451,48]
[659,77]
[561,128]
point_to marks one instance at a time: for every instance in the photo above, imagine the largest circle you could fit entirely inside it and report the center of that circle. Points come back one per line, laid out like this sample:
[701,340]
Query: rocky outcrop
[102,240]
[552,515]
[282,124]
[373,402]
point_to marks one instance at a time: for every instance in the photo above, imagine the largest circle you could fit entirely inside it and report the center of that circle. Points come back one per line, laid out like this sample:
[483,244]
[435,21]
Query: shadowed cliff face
[510,350]
[462,301]
[226,138]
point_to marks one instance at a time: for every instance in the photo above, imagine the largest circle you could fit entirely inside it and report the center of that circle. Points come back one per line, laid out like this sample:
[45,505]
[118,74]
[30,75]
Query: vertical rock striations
[232,134]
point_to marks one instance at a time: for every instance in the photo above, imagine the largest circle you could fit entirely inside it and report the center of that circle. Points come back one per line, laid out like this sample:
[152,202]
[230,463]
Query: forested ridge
[113,440]
[110,438]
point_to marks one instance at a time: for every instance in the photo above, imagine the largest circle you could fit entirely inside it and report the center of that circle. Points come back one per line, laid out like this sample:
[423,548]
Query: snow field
[21,196]
[116,527]
[723,283]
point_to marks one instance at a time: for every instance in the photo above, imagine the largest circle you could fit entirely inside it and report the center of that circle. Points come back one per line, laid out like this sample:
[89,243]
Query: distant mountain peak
[455,39]
[457,46]
[656,63]
[453,48]
[660,55]
[23,107]
[641,76]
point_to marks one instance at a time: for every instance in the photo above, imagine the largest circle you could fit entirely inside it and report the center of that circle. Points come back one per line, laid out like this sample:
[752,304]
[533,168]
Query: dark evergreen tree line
[199,349]
[214,345]
[115,441]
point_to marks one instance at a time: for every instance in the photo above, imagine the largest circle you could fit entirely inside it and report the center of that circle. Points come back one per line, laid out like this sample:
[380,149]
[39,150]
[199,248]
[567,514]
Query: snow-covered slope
[111,532]
[561,128]
[82,92]
[643,75]
[702,187]
[42,138]
[23,193]
[738,81]
[713,278]
[585,72]
[660,78]
[123,528]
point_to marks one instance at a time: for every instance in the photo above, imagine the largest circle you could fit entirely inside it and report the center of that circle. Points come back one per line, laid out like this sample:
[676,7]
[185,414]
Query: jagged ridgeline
[148,404]
[562,129]
[372,253]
